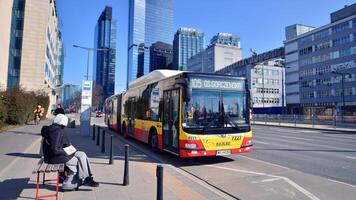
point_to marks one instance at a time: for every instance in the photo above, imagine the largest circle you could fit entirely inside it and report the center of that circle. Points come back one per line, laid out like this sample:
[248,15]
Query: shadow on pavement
[23,133]
[24,155]
[12,188]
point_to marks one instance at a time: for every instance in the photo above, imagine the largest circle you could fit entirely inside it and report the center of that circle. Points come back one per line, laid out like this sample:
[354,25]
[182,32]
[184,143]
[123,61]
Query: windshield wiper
[211,122]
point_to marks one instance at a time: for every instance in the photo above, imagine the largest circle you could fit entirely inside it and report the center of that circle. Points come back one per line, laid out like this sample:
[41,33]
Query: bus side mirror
[187,90]
[187,94]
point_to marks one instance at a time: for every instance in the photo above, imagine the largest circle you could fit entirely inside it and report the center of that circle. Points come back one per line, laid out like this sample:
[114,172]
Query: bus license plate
[223,152]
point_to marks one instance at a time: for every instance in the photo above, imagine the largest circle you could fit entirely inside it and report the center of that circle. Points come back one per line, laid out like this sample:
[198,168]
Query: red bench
[44,168]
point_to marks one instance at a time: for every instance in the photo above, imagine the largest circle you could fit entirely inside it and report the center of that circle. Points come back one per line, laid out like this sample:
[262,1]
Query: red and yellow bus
[187,114]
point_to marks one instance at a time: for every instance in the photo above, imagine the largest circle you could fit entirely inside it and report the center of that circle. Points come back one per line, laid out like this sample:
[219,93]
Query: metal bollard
[126,169]
[159,174]
[93,131]
[98,137]
[103,142]
[111,160]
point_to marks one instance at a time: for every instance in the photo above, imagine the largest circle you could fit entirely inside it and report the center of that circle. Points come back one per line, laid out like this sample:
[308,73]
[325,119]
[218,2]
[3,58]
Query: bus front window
[215,109]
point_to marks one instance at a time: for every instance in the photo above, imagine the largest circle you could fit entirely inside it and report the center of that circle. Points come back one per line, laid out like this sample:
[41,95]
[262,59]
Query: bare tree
[97,97]
[76,100]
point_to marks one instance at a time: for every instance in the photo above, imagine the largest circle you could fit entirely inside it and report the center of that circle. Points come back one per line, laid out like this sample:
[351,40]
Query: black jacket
[55,139]
[59,111]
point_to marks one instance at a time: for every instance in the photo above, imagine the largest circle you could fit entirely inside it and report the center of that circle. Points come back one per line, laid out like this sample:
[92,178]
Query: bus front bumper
[186,153]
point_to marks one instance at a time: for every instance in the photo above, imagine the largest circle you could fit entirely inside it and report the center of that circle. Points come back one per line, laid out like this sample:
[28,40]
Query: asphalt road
[328,154]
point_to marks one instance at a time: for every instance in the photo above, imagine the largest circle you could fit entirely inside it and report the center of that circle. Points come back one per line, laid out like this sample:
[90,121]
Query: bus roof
[154,76]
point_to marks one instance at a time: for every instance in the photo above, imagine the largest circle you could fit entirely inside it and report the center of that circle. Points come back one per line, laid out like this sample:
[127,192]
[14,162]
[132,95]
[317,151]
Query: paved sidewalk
[307,126]
[17,181]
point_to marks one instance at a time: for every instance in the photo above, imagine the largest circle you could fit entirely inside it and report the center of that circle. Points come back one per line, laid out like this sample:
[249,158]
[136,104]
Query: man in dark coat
[59,110]
[54,142]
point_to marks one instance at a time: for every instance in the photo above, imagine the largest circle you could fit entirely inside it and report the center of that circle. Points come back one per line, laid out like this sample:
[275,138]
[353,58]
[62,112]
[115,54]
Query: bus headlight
[248,142]
[190,146]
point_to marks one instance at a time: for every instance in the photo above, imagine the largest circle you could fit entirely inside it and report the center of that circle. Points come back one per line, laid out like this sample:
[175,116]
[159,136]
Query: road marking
[27,150]
[290,182]
[342,183]
[291,137]
[351,157]
[306,131]
[259,142]
[340,137]
[270,180]
[264,162]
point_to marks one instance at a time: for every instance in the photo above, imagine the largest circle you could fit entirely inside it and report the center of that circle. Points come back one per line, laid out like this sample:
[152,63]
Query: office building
[321,67]
[31,46]
[161,56]
[265,78]
[187,43]
[68,95]
[104,58]
[224,50]
[150,21]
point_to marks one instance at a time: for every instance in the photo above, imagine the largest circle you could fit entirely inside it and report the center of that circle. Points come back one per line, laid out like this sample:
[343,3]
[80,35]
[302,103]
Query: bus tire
[124,130]
[153,139]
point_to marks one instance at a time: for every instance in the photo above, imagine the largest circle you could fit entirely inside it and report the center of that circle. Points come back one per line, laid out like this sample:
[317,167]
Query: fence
[314,121]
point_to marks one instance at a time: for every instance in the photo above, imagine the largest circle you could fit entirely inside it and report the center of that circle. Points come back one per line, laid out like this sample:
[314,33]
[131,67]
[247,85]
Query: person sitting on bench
[58,149]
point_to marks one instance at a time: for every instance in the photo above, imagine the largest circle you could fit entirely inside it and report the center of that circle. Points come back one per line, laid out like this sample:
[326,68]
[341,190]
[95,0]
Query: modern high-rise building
[150,21]
[161,56]
[187,43]
[105,58]
[321,67]
[224,50]
[265,78]
[31,46]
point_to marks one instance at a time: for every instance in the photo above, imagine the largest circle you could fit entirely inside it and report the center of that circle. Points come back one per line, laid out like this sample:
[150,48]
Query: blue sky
[259,23]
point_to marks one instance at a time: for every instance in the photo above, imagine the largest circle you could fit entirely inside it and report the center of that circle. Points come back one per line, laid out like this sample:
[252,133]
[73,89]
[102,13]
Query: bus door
[114,111]
[119,101]
[132,115]
[171,120]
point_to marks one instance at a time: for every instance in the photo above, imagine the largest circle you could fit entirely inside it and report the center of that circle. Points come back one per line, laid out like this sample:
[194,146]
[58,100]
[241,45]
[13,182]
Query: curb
[298,127]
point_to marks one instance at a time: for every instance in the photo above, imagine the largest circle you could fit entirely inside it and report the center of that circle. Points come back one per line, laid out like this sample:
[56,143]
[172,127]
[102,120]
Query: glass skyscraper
[105,59]
[150,21]
[187,43]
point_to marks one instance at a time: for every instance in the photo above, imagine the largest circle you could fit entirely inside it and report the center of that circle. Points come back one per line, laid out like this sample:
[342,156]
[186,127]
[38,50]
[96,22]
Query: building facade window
[321,34]
[321,58]
[306,50]
[341,40]
[323,69]
[321,46]
[306,61]
[344,52]
[340,27]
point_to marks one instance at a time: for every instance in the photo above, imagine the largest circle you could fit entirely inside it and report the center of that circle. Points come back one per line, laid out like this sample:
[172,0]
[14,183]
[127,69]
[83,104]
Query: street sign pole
[85,112]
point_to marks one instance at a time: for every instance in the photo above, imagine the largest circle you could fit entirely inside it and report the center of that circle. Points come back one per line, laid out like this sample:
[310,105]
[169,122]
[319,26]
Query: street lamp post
[88,49]
[87,87]
[342,89]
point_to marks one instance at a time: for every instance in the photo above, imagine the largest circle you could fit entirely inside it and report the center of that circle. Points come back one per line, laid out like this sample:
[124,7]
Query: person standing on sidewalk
[59,110]
[54,144]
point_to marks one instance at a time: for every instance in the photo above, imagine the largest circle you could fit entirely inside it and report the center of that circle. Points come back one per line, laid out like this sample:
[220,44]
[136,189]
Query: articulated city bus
[187,114]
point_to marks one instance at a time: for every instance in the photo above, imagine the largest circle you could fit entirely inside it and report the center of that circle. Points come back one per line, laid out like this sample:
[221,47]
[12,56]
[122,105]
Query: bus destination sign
[200,83]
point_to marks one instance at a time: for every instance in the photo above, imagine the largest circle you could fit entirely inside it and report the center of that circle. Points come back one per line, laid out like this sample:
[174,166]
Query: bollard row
[159,170]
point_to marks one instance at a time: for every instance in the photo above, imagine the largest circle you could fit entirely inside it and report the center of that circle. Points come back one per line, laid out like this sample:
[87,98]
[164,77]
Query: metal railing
[314,121]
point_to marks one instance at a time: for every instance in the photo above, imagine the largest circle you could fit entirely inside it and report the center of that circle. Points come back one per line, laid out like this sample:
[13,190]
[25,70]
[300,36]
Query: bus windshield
[215,110]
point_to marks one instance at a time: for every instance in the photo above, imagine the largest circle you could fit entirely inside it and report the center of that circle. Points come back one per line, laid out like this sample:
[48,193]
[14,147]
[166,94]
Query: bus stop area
[19,155]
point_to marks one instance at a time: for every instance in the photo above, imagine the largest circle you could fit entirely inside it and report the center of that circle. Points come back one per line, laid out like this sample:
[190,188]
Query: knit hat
[61,119]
